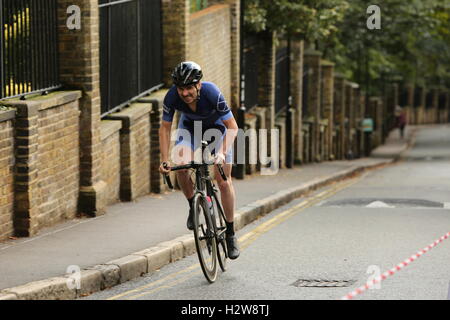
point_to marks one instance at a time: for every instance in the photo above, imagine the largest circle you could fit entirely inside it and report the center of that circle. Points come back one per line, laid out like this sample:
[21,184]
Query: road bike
[208,217]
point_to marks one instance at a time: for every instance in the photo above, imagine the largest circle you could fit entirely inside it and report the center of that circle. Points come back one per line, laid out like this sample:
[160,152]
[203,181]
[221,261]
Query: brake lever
[167,177]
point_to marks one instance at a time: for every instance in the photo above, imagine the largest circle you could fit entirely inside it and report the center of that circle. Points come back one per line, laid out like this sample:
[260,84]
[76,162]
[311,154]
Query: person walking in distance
[400,120]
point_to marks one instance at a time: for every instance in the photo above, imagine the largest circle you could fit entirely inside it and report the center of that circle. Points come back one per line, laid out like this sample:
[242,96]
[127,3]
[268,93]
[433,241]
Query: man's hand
[219,158]
[164,168]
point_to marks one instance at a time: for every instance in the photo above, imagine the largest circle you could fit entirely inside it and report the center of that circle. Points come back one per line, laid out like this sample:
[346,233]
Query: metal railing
[28,47]
[130,51]
[442,101]
[417,96]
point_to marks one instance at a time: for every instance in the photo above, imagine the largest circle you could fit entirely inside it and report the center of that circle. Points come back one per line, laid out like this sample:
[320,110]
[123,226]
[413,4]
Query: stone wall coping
[156,98]
[32,106]
[7,115]
[109,127]
[250,119]
[327,63]
[131,114]
[312,52]
[200,14]
[258,110]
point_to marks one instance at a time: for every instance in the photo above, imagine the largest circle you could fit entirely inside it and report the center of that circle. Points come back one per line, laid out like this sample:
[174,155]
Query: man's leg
[183,155]
[228,201]
[226,191]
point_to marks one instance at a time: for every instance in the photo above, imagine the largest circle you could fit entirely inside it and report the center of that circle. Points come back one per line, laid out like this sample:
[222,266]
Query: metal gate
[130,51]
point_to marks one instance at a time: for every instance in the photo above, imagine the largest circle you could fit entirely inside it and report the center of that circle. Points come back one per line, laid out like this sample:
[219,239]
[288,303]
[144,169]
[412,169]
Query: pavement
[86,255]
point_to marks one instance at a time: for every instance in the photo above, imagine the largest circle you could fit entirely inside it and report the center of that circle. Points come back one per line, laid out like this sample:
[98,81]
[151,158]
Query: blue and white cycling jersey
[211,110]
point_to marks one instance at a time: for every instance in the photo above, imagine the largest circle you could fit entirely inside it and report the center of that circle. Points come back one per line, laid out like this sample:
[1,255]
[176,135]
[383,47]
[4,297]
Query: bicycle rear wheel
[205,239]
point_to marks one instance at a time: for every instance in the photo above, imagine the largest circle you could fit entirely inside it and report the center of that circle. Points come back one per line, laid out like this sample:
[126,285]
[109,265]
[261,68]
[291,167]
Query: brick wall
[58,163]
[47,168]
[79,68]
[110,172]
[296,83]
[134,150]
[210,45]
[6,174]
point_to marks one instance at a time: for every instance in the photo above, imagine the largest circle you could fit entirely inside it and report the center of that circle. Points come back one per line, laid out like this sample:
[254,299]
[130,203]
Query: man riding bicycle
[200,103]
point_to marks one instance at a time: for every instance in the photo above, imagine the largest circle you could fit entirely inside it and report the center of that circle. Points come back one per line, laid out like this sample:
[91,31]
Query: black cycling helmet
[187,73]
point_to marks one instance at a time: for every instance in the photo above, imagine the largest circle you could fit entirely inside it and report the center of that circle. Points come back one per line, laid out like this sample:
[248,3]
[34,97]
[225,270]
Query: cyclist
[200,103]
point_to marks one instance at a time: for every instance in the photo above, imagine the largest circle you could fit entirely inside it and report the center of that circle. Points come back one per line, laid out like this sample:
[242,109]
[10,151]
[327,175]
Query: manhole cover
[321,283]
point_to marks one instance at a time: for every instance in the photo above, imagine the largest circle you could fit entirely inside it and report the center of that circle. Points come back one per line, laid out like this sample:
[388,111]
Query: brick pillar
[79,60]
[235,14]
[312,59]
[363,108]
[175,22]
[266,67]
[419,102]
[357,121]
[434,106]
[328,102]
[26,191]
[296,84]
[376,109]
[447,107]
[410,115]
[339,114]
[349,119]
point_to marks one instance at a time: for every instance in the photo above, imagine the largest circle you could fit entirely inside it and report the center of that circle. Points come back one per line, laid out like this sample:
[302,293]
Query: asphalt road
[335,240]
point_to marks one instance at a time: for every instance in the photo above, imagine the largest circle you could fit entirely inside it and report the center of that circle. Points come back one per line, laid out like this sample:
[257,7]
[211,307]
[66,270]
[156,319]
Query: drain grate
[321,283]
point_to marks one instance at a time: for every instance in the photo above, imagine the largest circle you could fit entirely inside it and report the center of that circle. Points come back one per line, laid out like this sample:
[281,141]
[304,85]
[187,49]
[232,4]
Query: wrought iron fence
[417,97]
[442,102]
[404,97]
[251,73]
[130,51]
[281,79]
[28,47]
[429,100]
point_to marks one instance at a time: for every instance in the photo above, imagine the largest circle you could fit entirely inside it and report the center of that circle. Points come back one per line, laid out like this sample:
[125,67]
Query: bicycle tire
[205,239]
[220,227]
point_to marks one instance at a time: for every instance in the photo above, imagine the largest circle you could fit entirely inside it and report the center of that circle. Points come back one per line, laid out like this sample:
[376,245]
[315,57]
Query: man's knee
[224,185]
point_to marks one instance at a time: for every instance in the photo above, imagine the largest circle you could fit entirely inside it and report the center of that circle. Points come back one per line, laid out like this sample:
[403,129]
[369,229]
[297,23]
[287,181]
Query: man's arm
[164,140]
[232,131]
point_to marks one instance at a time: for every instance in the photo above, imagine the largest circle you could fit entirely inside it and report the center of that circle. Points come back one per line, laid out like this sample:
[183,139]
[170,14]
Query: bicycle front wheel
[220,233]
[205,239]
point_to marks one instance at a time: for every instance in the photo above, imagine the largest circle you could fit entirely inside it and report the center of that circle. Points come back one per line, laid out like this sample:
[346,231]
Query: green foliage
[307,19]
[414,42]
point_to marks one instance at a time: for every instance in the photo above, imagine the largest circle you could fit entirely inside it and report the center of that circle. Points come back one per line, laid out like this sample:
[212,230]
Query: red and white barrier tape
[390,272]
